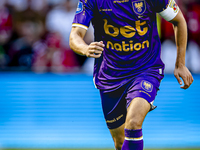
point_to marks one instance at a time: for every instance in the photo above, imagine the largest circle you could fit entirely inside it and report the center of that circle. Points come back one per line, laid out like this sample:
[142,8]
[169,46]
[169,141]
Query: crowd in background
[34,36]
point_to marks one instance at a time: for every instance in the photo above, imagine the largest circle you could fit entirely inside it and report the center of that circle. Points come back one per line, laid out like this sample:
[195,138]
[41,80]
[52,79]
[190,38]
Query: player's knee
[133,123]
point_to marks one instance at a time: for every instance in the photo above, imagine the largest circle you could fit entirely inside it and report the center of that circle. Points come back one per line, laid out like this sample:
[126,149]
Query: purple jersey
[128,29]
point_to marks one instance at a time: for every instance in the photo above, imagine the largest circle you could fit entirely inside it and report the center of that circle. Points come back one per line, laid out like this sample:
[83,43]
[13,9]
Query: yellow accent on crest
[139,6]
[147,85]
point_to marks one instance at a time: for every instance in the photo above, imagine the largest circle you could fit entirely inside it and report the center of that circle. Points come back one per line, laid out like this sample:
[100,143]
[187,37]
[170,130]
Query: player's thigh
[136,113]
[140,97]
[114,110]
[114,107]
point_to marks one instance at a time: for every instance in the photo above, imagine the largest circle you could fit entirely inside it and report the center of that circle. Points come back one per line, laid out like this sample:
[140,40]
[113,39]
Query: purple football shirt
[128,28]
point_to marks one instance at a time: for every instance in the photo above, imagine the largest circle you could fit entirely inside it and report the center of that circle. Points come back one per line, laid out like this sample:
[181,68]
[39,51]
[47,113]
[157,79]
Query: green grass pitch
[106,149]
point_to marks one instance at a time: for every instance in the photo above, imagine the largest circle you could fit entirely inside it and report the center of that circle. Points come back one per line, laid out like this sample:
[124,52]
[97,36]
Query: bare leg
[136,113]
[118,136]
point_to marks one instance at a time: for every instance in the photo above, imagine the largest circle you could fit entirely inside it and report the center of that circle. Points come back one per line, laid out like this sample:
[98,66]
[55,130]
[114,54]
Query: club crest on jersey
[147,86]
[79,7]
[139,7]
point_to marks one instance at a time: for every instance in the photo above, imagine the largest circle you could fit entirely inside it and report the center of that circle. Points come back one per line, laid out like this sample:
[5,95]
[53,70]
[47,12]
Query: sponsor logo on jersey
[147,86]
[139,7]
[128,32]
[79,8]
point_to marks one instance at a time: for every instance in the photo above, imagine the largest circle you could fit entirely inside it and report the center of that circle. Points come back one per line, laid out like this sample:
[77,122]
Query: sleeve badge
[79,7]
[174,6]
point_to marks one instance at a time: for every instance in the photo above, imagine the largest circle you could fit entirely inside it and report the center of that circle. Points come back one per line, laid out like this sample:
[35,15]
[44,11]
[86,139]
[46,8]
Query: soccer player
[128,68]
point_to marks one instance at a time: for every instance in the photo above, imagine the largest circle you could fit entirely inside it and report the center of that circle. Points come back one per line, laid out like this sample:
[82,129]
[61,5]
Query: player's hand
[95,49]
[185,74]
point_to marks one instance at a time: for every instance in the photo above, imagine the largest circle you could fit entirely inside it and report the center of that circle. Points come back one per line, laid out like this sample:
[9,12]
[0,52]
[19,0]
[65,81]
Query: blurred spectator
[59,21]
[51,56]
[5,23]
[193,20]
[40,6]
[193,57]
[29,27]
[57,57]
[168,55]
[5,31]
[34,34]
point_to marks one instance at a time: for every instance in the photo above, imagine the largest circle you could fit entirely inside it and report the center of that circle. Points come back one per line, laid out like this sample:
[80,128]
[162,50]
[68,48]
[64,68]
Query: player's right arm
[78,45]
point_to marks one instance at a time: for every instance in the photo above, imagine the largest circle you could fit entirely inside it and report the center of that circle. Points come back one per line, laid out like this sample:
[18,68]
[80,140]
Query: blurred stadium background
[47,97]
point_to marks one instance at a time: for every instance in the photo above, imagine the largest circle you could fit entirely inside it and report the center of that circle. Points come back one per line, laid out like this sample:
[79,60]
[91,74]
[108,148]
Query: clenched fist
[95,49]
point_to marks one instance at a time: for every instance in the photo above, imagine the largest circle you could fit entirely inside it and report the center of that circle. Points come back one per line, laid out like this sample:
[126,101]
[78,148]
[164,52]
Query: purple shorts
[115,102]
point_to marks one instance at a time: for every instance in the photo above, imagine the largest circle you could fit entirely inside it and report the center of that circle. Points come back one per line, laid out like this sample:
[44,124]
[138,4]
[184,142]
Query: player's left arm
[180,30]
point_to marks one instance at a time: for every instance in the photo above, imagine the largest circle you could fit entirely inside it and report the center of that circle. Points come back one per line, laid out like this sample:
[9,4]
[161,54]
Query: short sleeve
[168,9]
[171,11]
[84,13]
